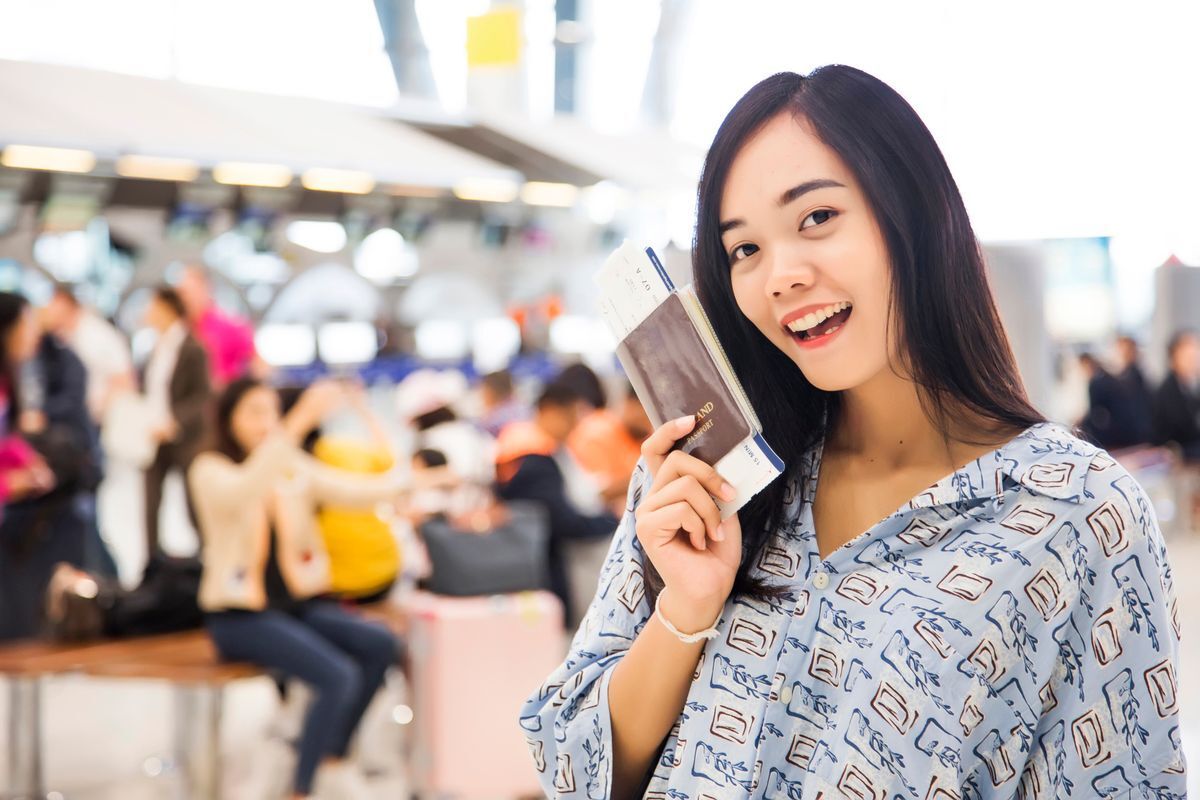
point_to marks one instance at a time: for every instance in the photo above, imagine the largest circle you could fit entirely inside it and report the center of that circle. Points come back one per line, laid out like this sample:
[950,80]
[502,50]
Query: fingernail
[720,534]
[683,423]
[727,492]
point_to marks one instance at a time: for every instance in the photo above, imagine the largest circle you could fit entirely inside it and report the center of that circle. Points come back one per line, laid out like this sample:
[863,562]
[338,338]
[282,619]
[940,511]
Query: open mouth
[826,327]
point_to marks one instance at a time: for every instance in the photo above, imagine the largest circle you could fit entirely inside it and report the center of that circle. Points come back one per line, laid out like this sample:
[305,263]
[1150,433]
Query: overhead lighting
[157,169]
[247,173]
[407,190]
[58,159]
[540,193]
[487,190]
[347,181]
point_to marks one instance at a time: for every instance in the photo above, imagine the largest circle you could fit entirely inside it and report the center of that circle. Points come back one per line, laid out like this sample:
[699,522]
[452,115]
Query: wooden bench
[187,660]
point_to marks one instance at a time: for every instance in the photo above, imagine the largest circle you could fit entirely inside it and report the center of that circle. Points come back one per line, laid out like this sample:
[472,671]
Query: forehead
[783,154]
[260,397]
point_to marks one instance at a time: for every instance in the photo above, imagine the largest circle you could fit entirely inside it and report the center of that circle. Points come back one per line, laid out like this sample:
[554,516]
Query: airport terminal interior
[320,427]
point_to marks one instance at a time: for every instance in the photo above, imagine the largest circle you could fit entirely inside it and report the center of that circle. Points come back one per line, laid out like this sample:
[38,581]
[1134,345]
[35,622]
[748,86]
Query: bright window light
[67,256]
[439,339]
[580,335]
[287,345]
[347,342]
[385,257]
[321,236]
[494,343]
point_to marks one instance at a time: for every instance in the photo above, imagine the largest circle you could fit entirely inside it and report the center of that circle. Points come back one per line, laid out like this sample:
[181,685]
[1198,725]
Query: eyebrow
[790,196]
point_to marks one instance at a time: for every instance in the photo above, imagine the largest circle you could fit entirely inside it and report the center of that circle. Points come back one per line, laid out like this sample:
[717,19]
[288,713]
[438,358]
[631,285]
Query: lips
[809,316]
[823,333]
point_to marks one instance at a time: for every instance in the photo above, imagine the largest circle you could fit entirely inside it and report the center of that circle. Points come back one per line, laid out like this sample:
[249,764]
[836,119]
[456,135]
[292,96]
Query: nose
[787,272]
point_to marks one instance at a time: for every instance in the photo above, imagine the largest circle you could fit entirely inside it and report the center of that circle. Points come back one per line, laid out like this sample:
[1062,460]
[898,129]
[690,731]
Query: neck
[882,421]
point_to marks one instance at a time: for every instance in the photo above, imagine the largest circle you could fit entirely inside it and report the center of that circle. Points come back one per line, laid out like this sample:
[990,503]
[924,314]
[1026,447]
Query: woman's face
[23,338]
[808,263]
[255,417]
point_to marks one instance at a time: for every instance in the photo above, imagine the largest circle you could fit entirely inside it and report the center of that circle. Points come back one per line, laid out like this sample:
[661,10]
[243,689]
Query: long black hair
[223,440]
[12,309]
[953,342]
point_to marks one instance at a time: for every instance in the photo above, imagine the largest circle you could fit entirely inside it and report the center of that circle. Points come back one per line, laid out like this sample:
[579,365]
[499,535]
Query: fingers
[689,490]
[659,443]
[663,524]
[678,463]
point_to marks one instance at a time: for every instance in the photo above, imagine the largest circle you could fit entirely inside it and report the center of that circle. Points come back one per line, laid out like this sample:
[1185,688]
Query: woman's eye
[820,217]
[742,251]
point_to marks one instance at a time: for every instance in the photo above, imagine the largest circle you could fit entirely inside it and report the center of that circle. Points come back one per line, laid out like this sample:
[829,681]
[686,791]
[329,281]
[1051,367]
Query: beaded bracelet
[687,638]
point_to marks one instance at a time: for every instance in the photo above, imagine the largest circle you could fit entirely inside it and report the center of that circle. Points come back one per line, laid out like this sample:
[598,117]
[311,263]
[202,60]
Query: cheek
[751,301]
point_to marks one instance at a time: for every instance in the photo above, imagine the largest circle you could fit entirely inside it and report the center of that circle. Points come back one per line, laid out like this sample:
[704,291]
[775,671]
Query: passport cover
[674,374]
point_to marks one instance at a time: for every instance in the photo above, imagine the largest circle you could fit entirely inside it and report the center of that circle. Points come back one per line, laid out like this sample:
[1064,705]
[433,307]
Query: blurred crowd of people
[1126,411]
[302,497]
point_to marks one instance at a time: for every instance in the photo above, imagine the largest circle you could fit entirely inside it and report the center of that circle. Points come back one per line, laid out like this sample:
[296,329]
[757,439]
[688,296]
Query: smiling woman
[944,596]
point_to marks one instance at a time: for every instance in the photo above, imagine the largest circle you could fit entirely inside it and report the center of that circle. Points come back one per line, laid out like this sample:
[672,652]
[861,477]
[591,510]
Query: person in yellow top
[364,555]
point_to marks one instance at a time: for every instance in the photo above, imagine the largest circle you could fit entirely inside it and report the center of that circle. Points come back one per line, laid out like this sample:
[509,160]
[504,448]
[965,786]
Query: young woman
[945,596]
[265,569]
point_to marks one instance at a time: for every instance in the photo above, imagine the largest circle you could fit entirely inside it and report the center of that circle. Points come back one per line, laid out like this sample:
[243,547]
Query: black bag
[509,556]
[70,457]
[165,601]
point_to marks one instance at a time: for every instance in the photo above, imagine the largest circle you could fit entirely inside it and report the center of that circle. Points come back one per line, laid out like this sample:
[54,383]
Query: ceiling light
[487,190]
[157,169]
[540,193]
[246,173]
[58,159]
[347,181]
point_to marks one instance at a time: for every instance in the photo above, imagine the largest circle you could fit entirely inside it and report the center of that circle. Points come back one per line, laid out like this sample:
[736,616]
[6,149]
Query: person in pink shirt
[23,473]
[228,340]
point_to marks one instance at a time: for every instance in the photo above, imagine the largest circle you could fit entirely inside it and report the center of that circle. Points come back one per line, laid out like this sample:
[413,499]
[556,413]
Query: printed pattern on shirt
[1010,632]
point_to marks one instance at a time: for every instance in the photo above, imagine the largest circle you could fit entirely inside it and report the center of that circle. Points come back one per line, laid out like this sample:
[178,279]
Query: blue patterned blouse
[1010,632]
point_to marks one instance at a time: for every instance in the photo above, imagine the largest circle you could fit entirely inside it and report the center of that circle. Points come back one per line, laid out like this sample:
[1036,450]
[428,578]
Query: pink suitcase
[474,661]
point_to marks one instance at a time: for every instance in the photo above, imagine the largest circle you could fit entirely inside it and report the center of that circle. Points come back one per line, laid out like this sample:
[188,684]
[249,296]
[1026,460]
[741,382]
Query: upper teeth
[816,318]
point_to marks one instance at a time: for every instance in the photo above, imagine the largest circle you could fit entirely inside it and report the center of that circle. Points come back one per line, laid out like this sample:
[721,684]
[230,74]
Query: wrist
[689,616]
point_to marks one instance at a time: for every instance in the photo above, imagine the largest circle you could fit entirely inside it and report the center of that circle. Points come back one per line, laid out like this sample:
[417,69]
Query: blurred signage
[494,38]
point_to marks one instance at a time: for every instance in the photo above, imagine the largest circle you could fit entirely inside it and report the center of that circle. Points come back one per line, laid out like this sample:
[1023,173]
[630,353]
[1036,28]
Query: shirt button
[786,695]
[821,580]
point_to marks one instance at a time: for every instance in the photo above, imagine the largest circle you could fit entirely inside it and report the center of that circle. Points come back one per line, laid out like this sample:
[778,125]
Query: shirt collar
[1045,459]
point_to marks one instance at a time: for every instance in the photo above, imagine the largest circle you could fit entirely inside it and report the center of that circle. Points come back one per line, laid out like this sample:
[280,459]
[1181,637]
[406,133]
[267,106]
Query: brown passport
[675,374]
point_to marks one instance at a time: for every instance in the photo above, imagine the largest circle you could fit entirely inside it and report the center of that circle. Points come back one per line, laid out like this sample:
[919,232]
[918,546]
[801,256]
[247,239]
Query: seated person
[364,556]
[540,471]
[266,570]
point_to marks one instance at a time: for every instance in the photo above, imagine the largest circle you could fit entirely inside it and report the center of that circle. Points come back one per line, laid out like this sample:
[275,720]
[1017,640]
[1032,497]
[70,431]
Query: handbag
[504,552]
[126,434]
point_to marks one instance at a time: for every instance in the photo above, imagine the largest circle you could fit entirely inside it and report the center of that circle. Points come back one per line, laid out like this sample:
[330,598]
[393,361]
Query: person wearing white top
[178,389]
[99,345]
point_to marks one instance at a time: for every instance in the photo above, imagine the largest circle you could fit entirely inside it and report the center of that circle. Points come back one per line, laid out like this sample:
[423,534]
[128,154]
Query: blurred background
[413,195]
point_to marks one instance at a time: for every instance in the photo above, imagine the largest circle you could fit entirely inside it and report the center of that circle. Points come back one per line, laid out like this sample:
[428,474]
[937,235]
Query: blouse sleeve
[566,722]
[1110,708]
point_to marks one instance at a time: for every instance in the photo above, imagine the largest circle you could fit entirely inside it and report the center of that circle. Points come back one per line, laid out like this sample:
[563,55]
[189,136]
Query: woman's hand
[319,400]
[680,528]
[34,479]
